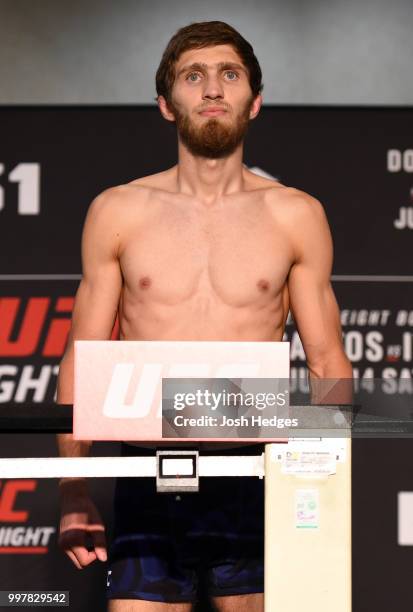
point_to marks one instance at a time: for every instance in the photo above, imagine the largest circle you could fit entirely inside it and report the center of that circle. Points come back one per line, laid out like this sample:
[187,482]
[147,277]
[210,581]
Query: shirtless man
[205,250]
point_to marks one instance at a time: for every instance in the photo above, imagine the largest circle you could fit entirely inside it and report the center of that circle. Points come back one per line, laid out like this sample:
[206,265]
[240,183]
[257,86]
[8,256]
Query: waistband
[130,450]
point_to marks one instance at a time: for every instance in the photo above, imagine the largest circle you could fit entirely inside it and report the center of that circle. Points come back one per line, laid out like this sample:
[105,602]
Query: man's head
[209,82]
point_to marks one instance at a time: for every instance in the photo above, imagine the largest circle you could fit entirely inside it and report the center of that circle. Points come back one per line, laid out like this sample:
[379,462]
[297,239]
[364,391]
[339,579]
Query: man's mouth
[213,112]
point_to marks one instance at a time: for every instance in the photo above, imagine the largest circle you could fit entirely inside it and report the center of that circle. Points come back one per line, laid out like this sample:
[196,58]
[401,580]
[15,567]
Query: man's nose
[213,88]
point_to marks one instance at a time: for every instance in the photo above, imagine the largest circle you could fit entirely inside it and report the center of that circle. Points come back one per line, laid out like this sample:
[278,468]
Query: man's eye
[231,75]
[192,76]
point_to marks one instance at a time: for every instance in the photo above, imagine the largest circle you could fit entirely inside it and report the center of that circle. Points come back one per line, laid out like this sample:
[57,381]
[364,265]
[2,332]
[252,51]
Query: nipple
[145,282]
[263,285]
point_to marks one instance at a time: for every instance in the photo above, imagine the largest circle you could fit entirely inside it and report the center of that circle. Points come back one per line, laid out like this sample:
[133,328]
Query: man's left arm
[312,300]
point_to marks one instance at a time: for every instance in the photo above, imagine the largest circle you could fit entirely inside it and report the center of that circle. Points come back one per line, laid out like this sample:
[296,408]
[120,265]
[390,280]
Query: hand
[80,521]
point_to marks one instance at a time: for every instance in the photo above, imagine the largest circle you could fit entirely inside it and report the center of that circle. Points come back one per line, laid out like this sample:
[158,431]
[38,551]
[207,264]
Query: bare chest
[236,255]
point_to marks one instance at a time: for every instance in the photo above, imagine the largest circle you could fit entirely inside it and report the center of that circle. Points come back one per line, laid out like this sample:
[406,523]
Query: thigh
[146,562]
[240,603]
[133,605]
[235,565]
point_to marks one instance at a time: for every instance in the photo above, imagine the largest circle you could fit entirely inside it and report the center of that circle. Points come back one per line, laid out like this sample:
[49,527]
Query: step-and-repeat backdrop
[357,162]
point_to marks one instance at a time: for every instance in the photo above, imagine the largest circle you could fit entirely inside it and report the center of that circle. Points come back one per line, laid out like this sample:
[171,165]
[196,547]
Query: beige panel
[307,568]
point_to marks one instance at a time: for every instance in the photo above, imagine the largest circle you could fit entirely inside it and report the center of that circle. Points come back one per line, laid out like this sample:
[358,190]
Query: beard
[214,139]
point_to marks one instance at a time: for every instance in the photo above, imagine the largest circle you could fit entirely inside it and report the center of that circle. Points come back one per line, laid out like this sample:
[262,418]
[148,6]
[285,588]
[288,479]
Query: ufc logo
[36,325]
[147,392]
[8,494]
[38,322]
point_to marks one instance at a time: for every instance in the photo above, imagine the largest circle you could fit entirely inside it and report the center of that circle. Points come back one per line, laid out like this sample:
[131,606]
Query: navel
[145,282]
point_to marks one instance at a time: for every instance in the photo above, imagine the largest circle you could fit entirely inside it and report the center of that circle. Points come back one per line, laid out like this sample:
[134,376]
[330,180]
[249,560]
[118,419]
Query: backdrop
[54,160]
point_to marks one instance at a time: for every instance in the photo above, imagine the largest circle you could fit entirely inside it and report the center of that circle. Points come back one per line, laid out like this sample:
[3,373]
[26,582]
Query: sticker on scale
[335,446]
[307,509]
[308,462]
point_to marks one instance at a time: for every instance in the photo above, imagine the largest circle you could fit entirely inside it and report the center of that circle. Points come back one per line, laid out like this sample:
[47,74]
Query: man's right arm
[93,318]
[97,297]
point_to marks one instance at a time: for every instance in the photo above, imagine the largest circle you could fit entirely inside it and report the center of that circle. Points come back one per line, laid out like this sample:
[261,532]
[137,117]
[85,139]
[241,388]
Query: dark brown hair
[205,34]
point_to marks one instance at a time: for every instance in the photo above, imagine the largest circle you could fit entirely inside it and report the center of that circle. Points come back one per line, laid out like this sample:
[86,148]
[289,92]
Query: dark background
[339,155]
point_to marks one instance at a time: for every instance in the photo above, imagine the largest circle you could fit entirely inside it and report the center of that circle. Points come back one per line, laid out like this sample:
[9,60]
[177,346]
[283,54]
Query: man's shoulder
[120,198]
[125,201]
[119,195]
[303,220]
[292,203]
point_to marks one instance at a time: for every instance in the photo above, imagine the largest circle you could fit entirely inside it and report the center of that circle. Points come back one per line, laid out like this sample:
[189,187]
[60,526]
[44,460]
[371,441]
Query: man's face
[212,101]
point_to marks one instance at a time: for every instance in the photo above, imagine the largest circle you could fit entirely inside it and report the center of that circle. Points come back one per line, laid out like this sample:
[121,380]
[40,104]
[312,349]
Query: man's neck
[209,179]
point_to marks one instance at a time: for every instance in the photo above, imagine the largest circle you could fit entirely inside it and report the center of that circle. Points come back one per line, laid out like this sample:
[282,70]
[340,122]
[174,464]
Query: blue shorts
[166,547]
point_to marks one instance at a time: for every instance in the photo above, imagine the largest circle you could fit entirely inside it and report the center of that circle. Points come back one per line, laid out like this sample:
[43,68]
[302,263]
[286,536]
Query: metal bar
[106,467]
[398,278]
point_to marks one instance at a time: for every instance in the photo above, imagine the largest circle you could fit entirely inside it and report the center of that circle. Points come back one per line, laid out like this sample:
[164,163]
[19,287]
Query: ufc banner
[357,161]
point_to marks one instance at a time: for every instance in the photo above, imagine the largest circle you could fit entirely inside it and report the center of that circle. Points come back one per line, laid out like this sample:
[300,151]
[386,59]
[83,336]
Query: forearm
[67,446]
[72,448]
[331,379]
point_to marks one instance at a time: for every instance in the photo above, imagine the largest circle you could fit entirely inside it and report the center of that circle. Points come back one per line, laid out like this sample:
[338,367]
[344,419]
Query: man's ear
[164,108]
[256,106]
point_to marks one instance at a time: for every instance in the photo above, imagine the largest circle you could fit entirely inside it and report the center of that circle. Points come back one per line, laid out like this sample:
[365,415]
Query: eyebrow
[220,65]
